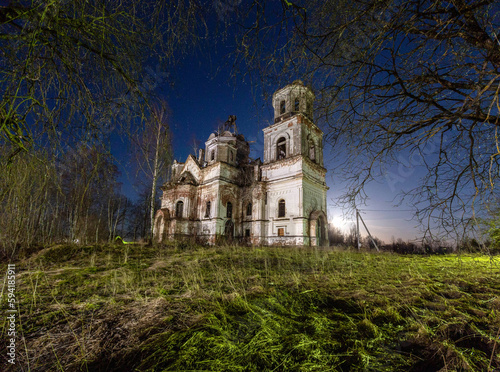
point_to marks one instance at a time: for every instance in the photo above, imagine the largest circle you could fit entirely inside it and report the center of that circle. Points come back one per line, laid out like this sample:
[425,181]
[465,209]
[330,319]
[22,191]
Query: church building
[224,194]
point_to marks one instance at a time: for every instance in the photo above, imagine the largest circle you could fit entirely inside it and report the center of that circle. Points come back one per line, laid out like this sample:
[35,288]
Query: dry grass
[255,309]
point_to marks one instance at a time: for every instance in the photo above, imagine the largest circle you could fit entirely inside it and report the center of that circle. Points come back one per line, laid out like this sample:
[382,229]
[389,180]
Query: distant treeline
[398,245]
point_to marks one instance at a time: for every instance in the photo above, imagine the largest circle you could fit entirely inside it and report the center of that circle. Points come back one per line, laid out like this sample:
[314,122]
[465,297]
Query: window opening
[229,211]
[249,209]
[312,151]
[297,104]
[247,233]
[212,155]
[281,208]
[281,231]
[282,107]
[281,148]
[207,211]
[179,209]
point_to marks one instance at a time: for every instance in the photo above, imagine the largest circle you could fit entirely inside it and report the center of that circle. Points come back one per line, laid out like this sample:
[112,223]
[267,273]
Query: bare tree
[46,199]
[367,242]
[27,189]
[72,67]
[154,153]
[351,237]
[88,181]
[399,84]
[335,235]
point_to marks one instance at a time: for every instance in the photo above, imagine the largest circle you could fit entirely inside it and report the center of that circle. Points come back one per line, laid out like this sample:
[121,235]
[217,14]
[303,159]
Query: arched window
[297,104]
[229,210]
[281,148]
[249,209]
[282,107]
[179,209]
[230,156]
[312,151]
[207,210]
[281,208]
[212,155]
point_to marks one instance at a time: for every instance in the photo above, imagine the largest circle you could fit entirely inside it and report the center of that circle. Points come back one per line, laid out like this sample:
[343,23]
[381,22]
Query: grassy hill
[181,308]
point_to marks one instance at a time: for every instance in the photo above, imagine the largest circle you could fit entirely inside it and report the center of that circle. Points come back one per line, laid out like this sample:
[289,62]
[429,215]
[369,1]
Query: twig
[493,351]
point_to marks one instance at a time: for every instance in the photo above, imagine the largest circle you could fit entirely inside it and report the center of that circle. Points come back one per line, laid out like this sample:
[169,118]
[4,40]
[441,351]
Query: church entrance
[161,225]
[320,237]
[158,229]
[318,234]
[229,230]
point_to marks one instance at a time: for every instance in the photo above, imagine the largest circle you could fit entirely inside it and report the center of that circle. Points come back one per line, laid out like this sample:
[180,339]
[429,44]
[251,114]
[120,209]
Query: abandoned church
[223,193]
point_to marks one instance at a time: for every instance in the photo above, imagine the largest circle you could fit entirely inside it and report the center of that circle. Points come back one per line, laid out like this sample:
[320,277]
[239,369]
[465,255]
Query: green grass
[138,308]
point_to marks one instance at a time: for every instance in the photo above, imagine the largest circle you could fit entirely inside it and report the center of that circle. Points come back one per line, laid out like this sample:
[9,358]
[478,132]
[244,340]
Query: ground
[179,307]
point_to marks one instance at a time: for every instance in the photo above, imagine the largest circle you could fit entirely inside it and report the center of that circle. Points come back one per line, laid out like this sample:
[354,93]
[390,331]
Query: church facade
[224,194]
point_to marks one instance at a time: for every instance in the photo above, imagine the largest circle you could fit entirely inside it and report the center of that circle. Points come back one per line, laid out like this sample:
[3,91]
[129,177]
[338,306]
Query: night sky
[201,95]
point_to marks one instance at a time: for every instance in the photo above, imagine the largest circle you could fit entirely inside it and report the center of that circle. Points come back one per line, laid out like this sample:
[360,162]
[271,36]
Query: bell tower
[293,132]
[293,169]
[291,100]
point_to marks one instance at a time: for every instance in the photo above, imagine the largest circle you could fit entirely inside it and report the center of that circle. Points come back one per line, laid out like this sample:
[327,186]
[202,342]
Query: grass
[181,308]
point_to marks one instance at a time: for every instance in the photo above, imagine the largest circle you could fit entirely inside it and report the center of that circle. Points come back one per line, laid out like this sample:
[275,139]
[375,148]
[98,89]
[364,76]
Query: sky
[202,94]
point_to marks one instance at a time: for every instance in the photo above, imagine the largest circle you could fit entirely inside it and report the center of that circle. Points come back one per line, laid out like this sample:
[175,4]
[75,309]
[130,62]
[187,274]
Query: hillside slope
[135,308]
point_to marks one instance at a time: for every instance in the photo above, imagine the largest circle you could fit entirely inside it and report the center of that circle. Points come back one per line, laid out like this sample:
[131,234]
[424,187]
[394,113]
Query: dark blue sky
[203,95]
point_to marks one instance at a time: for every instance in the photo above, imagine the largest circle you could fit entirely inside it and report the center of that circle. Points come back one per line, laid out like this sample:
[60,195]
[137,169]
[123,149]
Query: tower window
[309,109]
[229,210]
[312,151]
[297,105]
[281,231]
[212,155]
[230,155]
[281,208]
[281,148]
[179,209]
[249,209]
[207,210]
[282,107]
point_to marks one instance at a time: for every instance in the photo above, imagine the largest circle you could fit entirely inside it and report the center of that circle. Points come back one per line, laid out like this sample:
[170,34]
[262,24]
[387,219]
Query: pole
[368,231]
[357,229]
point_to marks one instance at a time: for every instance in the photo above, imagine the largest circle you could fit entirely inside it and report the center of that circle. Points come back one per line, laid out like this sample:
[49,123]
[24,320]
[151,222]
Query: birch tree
[154,154]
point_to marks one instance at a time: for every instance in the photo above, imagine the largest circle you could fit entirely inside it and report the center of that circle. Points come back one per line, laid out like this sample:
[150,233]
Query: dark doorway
[321,232]
[229,230]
